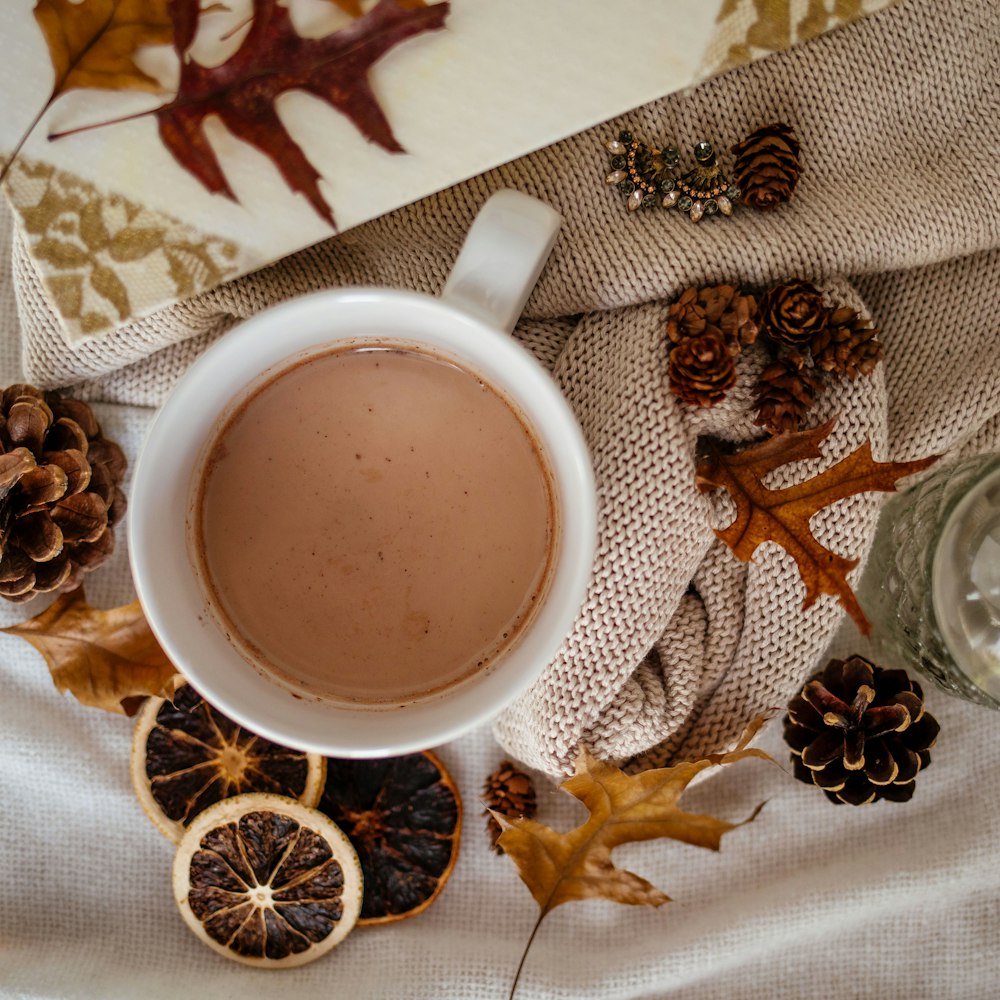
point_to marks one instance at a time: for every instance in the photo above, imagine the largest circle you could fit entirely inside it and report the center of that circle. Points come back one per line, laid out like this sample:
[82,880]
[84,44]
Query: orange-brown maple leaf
[782,516]
[623,808]
[105,659]
[271,60]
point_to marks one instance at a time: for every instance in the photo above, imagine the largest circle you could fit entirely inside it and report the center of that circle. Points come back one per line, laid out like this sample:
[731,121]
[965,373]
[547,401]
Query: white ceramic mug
[499,263]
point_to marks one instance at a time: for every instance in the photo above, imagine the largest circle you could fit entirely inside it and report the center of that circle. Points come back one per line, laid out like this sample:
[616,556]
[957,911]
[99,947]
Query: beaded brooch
[766,172]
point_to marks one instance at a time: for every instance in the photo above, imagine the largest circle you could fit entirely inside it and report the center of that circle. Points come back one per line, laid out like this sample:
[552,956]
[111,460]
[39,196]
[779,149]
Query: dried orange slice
[265,880]
[186,756]
[404,817]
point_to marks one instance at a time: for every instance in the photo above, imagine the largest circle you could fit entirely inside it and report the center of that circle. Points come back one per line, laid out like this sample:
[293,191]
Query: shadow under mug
[503,254]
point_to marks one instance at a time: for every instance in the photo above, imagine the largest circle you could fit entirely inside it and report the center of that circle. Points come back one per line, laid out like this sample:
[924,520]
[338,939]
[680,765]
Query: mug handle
[504,251]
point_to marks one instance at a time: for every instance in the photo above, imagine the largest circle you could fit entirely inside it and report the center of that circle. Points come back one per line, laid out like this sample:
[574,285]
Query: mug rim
[165,576]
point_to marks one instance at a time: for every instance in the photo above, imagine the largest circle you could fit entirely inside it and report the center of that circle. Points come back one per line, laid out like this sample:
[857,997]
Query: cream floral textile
[105,260]
[750,29]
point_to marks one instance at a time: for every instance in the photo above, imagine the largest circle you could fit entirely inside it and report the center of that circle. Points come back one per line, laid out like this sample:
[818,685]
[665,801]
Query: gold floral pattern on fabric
[749,29]
[105,260]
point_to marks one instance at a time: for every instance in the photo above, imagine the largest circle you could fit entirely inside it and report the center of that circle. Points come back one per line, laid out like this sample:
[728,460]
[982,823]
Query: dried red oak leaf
[271,60]
[782,516]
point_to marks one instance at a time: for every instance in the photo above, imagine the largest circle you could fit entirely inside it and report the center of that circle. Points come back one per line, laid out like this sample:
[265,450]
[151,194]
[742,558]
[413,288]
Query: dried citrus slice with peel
[404,817]
[186,756]
[265,880]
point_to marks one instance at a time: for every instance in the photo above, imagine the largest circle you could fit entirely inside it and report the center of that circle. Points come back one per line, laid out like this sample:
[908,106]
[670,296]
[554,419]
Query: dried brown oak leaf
[624,808]
[272,60]
[782,516]
[105,659]
[353,7]
[91,44]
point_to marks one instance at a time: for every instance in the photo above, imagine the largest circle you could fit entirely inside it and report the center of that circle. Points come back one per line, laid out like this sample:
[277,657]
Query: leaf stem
[114,121]
[24,138]
[524,954]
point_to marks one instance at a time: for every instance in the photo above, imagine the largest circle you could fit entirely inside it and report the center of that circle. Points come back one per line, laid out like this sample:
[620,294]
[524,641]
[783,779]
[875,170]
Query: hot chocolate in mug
[365,519]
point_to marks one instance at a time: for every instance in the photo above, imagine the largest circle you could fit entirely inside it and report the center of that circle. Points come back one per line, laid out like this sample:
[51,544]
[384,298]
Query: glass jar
[932,585]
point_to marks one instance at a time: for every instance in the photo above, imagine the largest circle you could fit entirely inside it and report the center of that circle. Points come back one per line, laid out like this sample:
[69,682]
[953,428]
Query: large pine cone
[59,492]
[510,792]
[846,345]
[767,166]
[719,309]
[793,313]
[701,370]
[786,391]
[860,732]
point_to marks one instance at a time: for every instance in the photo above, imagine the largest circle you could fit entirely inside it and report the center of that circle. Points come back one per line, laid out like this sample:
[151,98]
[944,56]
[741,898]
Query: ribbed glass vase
[932,585]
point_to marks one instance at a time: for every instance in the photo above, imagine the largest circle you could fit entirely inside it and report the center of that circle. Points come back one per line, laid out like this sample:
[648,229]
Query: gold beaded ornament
[645,176]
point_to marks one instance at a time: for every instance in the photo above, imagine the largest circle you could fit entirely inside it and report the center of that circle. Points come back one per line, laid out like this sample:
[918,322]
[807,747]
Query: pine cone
[786,391]
[767,166]
[717,309]
[701,370]
[509,792]
[59,492]
[860,732]
[793,313]
[846,345]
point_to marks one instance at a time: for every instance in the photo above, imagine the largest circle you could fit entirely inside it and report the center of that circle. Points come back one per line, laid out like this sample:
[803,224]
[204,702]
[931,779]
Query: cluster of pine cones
[807,341]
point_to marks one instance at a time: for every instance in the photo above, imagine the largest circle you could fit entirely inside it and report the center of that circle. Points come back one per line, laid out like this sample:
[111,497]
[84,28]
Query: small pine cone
[767,166]
[509,792]
[793,313]
[60,495]
[860,732]
[701,370]
[846,345]
[786,391]
[717,309]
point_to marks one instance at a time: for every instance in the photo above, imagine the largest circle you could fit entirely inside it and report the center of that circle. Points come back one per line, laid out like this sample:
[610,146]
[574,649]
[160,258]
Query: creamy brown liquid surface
[375,524]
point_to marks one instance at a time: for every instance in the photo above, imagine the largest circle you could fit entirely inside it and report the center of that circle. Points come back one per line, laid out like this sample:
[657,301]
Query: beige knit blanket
[678,644]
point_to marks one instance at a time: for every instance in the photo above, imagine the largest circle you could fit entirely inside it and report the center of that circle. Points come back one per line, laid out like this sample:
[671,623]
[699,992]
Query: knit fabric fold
[678,644]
